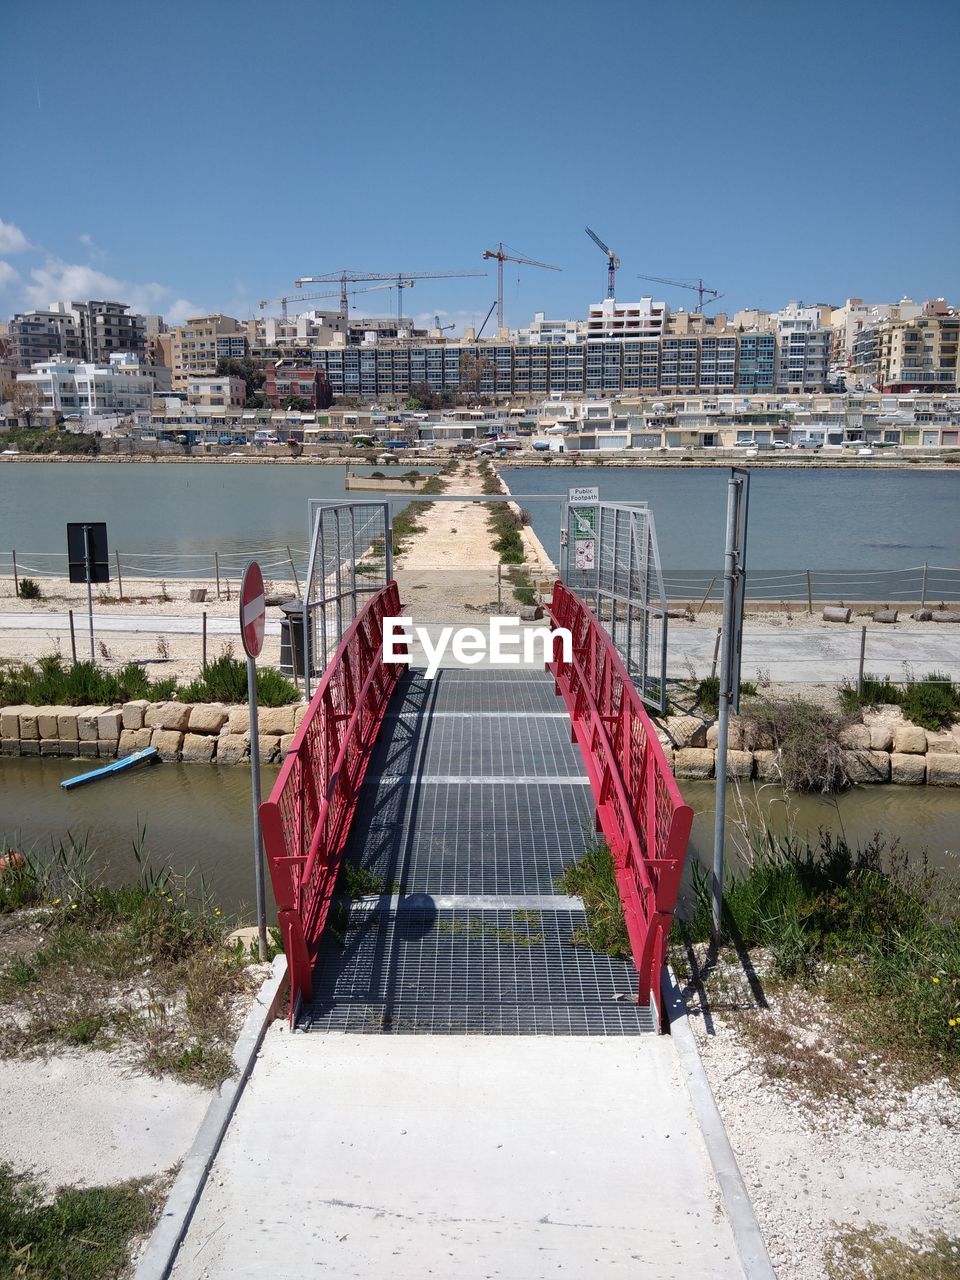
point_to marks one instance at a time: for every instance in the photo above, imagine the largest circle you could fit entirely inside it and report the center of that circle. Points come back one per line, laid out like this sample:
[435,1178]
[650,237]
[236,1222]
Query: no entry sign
[253,610]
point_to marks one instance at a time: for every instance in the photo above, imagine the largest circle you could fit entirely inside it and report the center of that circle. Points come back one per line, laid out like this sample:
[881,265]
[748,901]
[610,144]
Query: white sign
[584,554]
[587,493]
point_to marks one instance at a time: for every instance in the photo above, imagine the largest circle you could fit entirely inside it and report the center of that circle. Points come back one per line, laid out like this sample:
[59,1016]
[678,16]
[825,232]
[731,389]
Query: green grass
[592,878]
[933,702]
[225,680]
[708,693]
[878,939]
[83,1234]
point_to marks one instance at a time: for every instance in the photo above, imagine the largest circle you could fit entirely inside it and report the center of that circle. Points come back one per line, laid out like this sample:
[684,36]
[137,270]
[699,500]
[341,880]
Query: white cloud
[58,281]
[12,239]
[7,274]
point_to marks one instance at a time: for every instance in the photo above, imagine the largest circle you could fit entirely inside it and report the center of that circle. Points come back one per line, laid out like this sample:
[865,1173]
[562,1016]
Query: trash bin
[291,641]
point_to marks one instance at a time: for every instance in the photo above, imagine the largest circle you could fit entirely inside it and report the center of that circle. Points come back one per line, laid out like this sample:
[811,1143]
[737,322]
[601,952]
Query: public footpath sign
[253,610]
[586,493]
[253,618]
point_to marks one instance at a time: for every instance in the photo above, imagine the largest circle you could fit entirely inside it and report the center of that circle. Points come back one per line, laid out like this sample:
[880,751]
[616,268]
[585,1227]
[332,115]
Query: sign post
[88,562]
[738,492]
[253,616]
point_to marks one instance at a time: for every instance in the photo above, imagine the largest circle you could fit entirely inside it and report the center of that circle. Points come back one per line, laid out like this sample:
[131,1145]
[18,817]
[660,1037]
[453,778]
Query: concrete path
[464,1156]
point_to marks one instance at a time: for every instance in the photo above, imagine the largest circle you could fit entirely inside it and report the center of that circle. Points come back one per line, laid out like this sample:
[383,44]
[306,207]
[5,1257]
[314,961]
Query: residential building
[912,351]
[105,328]
[217,390]
[194,346]
[285,379]
[611,319]
[43,335]
[550,333]
[805,347]
[82,389]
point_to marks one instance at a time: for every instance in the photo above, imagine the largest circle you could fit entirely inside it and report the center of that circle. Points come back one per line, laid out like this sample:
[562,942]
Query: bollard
[835,613]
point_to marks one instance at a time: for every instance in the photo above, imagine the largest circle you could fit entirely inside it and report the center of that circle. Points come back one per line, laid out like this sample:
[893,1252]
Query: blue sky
[193,157]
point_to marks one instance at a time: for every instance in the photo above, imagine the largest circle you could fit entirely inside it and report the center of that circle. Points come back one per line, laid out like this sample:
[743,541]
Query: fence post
[863,646]
[204,659]
[73,638]
[499,585]
[293,570]
[713,583]
[119,578]
[216,569]
[716,654]
[923,587]
[809,592]
[16,580]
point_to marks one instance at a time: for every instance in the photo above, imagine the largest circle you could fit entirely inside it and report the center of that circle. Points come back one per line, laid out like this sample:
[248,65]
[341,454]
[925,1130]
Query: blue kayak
[115,766]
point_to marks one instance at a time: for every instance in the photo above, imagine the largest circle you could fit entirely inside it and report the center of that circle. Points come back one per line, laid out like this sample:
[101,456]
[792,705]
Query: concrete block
[109,726]
[286,742]
[47,722]
[198,747]
[867,766]
[49,746]
[29,725]
[686,731]
[881,737]
[943,769]
[106,749]
[173,716]
[10,722]
[734,735]
[767,765]
[238,720]
[275,720]
[909,770]
[168,742]
[9,746]
[740,764]
[86,747]
[134,740]
[31,746]
[909,739]
[207,717]
[693,762]
[133,713]
[69,748]
[855,737]
[232,748]
[943,743]
[668,756]
[87,723]
[67,724]
[269,747]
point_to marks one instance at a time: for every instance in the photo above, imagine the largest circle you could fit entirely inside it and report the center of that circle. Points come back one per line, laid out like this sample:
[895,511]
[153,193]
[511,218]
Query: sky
[197,157]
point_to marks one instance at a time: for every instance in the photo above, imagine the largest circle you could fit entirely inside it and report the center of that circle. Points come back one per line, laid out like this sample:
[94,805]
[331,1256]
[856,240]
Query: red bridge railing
[307,818]
[639,807]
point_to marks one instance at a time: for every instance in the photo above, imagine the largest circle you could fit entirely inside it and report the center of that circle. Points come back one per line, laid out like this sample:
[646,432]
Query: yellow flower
[952,1022]
[73,906]
[56,902]
[936,979]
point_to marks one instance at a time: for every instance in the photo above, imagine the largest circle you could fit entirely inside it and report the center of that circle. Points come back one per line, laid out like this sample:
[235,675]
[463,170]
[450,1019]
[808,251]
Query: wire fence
[284,563]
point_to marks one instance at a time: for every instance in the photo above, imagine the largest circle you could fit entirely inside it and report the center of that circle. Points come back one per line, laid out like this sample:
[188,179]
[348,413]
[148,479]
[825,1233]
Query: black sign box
[85,540]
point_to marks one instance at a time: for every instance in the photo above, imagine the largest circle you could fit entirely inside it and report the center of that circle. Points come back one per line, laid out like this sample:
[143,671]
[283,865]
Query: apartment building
[34,336]
[549,333]
[106,328]
[900,354]
[286,379]
[611,319]
[216,391]
[73,389]
[194,349]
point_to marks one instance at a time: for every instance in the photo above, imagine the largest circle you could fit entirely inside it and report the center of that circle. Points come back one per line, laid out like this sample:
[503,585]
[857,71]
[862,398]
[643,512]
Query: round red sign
[253,609]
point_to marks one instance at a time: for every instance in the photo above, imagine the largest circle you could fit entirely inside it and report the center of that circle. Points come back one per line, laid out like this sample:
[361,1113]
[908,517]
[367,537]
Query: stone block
[269,747]
[238,720]
[909,770]
[47,722]
[686,731]
[29,725]
[10,722]
[767,765]
[867,766]
[881,737]
[134,740]
[168,742]
[909,739]
[49,746]
[855,737]
[756,737]
[232,748]
[943,769]
[693,762]
[943,743]
[67,724]
[286,742]
[87,723]
[31,746]
[171,716]
[109,726]
[299,711]
[207,717]
[275,720]
[883,711]
[134,712]
[86,747]
[107,749]
[740,764]
[668,756]
[9,746]
[734,735]
[69,747]
[198,747]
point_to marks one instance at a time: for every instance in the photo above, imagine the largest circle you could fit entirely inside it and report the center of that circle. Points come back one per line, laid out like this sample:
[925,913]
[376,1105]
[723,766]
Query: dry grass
[867,1255]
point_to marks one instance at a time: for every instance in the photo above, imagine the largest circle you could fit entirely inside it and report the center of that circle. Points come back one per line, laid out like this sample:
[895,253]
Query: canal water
[852,519]
[197,818]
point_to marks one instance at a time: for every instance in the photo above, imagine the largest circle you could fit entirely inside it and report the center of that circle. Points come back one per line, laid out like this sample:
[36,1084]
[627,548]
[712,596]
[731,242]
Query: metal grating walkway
[474,802]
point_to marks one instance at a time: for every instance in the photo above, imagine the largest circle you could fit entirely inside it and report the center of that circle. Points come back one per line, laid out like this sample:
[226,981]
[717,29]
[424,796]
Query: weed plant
[933,702]
[30,589]
[593,879]
[807,737]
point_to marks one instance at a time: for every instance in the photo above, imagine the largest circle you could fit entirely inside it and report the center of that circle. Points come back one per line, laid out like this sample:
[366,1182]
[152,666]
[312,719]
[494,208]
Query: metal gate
[609,557]
[351,559]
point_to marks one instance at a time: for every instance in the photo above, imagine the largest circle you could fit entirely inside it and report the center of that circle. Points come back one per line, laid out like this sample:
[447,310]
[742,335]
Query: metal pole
[863,646]
[716,653]
[499,585]
[723,719]
[255,779]
[923,585]
[86,569]
[204,640]
[216,569]
[119,578]
[73,638]
[809,592]
[16,579]
[713,583]
[293,570]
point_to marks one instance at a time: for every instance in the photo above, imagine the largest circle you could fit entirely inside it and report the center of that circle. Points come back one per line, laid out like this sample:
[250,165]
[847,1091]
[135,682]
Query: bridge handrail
[306,820]
[639,806]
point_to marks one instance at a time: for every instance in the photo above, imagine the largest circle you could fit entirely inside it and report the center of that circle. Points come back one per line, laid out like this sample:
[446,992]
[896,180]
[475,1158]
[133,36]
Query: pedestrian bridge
[460,800]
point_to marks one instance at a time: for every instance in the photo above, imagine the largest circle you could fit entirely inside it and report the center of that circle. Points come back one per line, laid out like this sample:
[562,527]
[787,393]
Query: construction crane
[503,257]
[399,280]
[485,319]
[442,327]
[311,297]
[613,262]
[699,288]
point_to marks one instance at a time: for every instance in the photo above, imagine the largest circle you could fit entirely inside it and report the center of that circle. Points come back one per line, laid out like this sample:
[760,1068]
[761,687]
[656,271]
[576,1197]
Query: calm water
[798,519]
[198,816]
